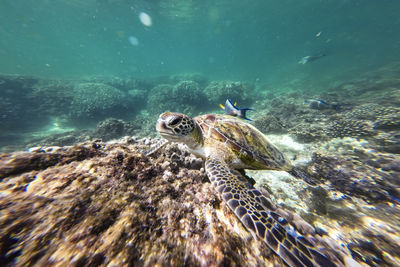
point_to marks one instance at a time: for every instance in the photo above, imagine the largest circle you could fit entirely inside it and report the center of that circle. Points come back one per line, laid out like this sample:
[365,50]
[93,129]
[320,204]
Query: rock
[104,203]
[116,209]
[42,158]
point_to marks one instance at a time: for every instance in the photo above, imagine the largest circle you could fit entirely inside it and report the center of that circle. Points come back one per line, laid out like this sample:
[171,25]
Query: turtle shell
[246,142]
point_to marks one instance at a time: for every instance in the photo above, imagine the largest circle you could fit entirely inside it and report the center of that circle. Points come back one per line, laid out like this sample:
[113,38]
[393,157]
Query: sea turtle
[229,145]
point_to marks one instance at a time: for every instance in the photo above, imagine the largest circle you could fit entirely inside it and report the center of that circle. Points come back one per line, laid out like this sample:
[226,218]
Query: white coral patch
[296,152]
[283,185]
[285,142]
[346,145]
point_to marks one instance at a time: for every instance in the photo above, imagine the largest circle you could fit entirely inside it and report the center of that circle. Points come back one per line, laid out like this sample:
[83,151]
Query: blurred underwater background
[71,64]
[323,78]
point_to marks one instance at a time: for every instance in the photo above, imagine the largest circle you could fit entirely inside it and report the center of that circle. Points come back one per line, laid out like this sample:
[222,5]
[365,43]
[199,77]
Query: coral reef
[355,169]
[124,84]
[104,203]
[220,91]
[30,101]
[388,142]
[346,127]
[38,105]
[33,107]
[188,92]
[184,96]
[15,102]
[96,100]
[52,97]
[388,118]
[196,77]
[270,124]
[356,200]
[105,130]
[285,114]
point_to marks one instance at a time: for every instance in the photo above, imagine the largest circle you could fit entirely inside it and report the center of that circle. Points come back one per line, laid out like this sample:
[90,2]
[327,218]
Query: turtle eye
[175,121]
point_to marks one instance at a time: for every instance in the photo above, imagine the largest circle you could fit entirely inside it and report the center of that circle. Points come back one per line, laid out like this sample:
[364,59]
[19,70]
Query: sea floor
[353,154]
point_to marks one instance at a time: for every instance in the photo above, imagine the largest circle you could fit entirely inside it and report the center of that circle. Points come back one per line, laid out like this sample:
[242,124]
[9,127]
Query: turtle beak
[161,126]
[163,129]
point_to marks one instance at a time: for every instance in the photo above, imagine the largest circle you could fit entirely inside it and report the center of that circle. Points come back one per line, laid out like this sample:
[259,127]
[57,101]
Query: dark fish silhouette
[309,59]
[319,104]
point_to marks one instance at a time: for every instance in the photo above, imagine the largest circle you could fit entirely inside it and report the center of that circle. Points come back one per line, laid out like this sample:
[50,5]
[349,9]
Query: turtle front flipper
[249,206]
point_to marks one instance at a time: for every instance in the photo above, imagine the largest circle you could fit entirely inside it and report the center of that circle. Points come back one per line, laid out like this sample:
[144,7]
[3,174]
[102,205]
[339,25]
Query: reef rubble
[104,203]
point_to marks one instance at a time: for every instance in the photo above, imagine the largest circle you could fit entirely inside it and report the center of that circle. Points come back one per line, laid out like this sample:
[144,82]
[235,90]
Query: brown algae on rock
[101,203]
[113,206]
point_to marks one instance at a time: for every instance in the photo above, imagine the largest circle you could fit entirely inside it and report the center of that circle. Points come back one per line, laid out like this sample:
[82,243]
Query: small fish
[231,109]
[308,59]
[319,104]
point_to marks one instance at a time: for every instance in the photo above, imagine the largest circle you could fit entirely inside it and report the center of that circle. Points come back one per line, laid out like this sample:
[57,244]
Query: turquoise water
[135,46]
[221,39]
[321,77]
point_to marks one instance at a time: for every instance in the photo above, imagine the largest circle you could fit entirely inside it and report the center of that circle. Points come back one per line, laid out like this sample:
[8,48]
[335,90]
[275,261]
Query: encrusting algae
[104,203]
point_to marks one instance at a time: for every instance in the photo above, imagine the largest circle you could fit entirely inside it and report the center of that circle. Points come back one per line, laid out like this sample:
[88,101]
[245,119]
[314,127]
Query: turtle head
[177,127]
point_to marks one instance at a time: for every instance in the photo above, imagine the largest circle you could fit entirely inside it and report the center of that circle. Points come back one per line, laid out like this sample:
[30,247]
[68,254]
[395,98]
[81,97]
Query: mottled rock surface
[99,204]
[105,203]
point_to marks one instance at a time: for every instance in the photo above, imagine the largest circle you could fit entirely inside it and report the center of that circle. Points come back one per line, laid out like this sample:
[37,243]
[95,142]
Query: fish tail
[242,113]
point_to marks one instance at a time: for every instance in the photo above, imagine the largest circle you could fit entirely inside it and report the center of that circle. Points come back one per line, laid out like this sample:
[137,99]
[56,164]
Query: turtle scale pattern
[248,144]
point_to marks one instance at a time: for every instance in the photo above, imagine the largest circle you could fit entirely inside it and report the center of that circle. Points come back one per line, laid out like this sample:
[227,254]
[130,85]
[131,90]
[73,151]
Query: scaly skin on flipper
[249,206]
